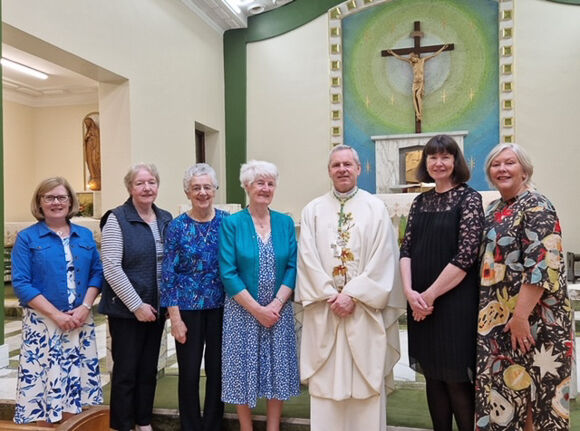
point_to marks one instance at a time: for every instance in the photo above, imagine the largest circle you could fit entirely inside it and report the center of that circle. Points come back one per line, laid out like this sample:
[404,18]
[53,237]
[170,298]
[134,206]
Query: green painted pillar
[235,104]
[260,27]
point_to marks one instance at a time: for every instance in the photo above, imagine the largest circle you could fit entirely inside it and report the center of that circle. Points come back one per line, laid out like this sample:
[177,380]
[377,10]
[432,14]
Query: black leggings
[451,399]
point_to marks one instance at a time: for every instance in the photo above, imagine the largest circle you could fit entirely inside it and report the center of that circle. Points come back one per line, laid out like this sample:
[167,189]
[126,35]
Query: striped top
[112,257]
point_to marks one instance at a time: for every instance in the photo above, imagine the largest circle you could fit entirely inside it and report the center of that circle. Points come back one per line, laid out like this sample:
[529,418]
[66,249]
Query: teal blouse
[238,252]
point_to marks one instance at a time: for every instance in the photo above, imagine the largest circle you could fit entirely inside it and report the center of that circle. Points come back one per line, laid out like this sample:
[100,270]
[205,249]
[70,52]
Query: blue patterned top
[70,271]
[190,275]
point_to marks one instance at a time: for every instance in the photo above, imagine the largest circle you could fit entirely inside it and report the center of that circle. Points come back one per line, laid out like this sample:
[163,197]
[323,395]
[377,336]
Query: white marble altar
[388,156]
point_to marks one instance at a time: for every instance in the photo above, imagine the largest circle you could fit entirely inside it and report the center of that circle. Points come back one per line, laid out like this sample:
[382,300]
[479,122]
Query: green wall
[1,205]
[260,27]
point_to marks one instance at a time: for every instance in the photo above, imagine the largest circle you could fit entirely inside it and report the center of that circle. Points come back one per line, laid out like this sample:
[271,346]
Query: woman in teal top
[257,259]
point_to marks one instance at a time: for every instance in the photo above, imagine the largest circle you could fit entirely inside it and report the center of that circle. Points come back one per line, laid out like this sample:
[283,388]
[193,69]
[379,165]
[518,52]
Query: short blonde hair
[521,155]
[133,170]
[47,185]
[254,169]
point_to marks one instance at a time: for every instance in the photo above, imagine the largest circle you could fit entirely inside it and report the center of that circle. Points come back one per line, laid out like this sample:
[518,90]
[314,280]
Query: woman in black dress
[439,271]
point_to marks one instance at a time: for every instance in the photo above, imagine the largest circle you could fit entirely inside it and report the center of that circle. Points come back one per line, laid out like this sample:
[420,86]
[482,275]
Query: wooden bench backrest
[93,419]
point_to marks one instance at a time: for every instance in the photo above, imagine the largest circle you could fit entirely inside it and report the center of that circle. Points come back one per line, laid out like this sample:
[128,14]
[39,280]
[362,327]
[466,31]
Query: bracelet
[279,300]
[87,306]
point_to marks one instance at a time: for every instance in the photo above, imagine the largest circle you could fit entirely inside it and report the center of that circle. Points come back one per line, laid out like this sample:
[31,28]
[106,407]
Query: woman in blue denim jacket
[56,274]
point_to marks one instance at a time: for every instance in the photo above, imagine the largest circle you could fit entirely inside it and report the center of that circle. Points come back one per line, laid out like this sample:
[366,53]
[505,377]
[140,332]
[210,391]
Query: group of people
[489,319]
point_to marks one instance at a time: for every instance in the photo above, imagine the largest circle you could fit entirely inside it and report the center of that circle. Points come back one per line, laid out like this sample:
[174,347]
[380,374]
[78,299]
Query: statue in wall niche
[418,65]
[92,150]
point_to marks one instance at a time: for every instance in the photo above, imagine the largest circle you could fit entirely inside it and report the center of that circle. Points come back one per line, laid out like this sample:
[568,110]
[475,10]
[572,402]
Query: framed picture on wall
[86,204]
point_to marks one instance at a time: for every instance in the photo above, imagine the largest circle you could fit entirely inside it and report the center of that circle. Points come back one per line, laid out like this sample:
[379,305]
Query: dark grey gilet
[139,258]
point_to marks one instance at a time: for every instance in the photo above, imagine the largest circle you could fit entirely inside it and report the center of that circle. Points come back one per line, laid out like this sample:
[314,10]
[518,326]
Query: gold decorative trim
[335,98]
[335,81]
[335,31]
[335,48]
[335,131]
[506,15]
[506,70]
[506,51]
[351,5]
[335,115]
[335,65]
[335,13]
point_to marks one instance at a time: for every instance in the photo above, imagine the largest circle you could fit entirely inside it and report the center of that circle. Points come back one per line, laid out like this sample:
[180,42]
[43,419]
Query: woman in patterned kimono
[257,259]
[56,274]
[525,339]
[439,273]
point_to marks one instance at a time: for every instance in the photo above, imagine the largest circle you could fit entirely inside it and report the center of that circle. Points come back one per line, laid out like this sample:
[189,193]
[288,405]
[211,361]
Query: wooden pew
[93,419]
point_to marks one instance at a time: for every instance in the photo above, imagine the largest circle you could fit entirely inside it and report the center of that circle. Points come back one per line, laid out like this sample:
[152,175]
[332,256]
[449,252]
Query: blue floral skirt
[259,362]
[58,370]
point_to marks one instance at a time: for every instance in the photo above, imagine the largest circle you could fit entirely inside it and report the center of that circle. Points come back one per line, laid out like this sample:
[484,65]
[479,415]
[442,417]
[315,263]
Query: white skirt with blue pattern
[58,370]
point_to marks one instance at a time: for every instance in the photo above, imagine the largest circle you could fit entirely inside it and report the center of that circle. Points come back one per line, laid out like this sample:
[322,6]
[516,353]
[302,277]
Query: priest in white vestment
[349,287]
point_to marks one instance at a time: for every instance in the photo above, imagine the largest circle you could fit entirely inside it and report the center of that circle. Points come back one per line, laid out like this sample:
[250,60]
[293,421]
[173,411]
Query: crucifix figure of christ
[418,64]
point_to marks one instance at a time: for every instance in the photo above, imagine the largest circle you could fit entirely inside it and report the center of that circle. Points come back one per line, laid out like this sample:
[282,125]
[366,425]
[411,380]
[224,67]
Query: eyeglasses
[206,188]
[48,199]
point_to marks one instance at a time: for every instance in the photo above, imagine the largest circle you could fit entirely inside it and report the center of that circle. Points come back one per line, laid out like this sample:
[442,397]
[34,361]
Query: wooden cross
[418,65]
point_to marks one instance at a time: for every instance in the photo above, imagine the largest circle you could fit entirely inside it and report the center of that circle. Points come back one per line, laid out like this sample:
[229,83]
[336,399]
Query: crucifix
[418,64]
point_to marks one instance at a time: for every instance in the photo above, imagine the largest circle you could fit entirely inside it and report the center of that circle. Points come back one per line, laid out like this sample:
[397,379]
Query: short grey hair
[198,170]
[342,147]
[133,170]
[521,155]
[254,169]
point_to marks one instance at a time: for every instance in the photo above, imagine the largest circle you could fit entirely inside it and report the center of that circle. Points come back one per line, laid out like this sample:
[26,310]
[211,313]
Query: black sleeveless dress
[445,228]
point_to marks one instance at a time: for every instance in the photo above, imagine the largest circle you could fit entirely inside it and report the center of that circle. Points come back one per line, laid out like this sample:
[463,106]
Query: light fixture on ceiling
[23,69]
[255,8]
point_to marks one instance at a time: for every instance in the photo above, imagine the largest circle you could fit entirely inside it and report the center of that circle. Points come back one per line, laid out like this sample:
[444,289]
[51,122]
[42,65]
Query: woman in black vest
[132,249]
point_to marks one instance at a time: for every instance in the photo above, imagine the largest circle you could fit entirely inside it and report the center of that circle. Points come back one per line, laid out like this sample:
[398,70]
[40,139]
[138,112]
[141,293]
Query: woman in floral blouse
[525,339]
[193,293]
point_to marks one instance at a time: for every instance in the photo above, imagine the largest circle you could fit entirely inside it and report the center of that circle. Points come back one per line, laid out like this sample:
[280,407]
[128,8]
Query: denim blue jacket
[39,266]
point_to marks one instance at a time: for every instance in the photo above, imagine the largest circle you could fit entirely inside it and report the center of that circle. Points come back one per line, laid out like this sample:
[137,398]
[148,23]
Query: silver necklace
[261,223]
[205,235]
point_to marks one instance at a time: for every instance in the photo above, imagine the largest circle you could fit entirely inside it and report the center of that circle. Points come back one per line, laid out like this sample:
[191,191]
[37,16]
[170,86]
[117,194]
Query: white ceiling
[65,87]
[221,17]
